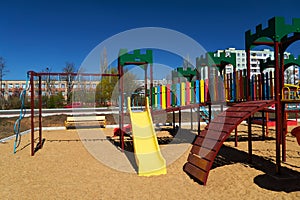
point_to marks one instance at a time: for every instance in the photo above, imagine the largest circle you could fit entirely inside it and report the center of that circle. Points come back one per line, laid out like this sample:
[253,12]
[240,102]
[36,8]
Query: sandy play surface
[66,169]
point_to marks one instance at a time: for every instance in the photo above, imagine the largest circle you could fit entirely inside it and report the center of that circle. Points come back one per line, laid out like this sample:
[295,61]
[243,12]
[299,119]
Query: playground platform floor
[65,169]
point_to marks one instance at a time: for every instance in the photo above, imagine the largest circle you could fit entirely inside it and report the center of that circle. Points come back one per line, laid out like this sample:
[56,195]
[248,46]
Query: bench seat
[85,121]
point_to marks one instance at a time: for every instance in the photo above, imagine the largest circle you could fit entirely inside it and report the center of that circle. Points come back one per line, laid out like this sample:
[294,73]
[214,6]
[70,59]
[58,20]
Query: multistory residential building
[256,57]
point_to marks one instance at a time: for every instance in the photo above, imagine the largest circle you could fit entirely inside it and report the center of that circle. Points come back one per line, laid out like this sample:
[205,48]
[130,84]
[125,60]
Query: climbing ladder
[207,145]
[204,114]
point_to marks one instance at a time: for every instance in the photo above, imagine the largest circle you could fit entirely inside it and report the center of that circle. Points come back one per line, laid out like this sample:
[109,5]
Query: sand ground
[65,169]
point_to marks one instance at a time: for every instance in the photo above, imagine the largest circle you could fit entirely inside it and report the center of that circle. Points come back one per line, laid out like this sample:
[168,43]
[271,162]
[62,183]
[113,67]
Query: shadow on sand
[177,136]
[287,181]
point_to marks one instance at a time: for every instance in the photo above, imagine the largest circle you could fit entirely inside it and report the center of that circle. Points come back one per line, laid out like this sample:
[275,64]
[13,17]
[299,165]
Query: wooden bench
[85,121]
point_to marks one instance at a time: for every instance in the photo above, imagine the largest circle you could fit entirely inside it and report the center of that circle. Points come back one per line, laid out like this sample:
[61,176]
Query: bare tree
[2,74]
[103,61]
[49,82]
[69,69]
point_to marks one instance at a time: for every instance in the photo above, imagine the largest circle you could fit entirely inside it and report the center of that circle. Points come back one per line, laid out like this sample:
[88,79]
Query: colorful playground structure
[276,35]
[199,88]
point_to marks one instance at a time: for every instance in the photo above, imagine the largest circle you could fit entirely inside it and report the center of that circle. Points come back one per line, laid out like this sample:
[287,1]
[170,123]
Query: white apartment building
[15,87]
[141,83]
[291,75]
[256,57]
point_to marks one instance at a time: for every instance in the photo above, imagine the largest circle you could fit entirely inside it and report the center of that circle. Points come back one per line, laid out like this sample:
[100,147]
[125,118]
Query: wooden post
[174,127]
[249,140]
[235,137]
[198,119]
[191,111]
[263,125]
[40,113]
[179,119]
[32,112]
[278,109]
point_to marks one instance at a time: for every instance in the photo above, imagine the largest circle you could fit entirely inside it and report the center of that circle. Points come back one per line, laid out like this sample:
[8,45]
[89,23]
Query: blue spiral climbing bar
[17,124]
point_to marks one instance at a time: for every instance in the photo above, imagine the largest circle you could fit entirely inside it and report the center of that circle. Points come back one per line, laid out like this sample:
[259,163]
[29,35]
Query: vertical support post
[40,112]
[146,85]
[249,140]
[283,113]
[191,111]
[235,137]
[151,82]
[263,86]
[283,132]
[198,119]
[174,127]
[121,104]
[32,111]
[267,126]
[209,112]
[278,107]
[179,119]
[248,74]
[263,125]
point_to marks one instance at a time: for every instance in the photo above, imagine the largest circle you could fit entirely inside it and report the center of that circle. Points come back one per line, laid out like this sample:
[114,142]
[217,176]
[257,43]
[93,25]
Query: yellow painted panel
[202,99]
[163,97]
[183,94]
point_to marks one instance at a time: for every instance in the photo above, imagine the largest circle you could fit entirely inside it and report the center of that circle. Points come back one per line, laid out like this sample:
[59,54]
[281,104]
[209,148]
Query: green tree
[14,101]
[56,101]
[105,88]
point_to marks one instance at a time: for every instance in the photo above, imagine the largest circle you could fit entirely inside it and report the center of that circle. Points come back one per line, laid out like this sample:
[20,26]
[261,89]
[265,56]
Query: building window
[10,85]
[94,86]
[63,85]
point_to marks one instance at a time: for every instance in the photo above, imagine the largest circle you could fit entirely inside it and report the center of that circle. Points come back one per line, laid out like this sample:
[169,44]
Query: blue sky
[39,34]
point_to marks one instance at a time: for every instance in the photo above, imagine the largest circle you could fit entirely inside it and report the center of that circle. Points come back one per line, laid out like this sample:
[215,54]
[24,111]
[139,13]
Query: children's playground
[249,148]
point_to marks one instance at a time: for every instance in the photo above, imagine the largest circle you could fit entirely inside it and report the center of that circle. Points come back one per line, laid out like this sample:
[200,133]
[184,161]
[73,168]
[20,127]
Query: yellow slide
[146,149]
